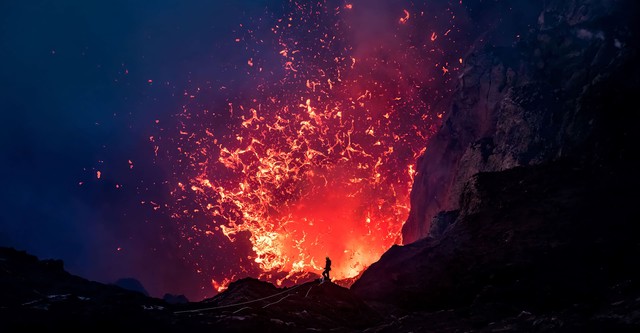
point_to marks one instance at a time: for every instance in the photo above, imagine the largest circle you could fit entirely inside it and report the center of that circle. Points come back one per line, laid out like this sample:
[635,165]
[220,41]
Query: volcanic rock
[554,240]
[312,306]
[523,214]
[556,92]
[39,294]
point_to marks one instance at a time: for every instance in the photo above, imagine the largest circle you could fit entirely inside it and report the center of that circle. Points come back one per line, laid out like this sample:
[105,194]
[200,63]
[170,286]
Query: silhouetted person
[327,268]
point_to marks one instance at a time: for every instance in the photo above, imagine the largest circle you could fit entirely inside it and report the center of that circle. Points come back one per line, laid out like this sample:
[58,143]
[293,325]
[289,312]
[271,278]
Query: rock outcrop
[524,206]
[552,240]
[547,96]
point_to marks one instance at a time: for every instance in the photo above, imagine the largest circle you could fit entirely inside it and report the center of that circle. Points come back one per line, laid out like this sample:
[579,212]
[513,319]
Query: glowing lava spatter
[320,160]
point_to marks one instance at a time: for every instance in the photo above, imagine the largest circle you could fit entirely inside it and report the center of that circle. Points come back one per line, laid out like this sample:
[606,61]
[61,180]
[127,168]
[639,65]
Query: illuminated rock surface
[558,93]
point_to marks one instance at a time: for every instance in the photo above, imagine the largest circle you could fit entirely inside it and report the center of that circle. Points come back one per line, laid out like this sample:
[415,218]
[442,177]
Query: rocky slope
[550,241]
[40,295]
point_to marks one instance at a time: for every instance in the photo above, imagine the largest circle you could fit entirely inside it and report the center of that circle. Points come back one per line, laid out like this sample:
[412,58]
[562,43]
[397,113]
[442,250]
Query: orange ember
[406,17]
[309,180]
[320,161]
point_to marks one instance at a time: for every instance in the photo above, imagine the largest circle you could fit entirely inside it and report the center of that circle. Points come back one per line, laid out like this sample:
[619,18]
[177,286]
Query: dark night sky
[76,99]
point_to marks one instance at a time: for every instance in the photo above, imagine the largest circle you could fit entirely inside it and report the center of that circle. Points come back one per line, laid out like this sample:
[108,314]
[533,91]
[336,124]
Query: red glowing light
[319,163]
[222,285]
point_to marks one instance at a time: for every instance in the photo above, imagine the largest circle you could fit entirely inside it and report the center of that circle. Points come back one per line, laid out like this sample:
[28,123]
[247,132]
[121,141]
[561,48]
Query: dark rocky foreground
[532,249]
[40,295]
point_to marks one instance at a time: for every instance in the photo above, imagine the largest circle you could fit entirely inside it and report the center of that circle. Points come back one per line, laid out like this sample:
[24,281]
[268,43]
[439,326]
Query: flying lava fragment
[319,161]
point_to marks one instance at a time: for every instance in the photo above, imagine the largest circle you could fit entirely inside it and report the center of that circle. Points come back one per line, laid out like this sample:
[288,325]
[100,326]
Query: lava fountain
[319,160]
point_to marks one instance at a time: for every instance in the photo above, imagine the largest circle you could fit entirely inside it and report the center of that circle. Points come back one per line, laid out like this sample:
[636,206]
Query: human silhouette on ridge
[327,268]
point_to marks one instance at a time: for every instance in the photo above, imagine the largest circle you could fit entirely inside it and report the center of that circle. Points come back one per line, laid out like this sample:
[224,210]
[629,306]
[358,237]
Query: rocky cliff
[524,206]
[557,91]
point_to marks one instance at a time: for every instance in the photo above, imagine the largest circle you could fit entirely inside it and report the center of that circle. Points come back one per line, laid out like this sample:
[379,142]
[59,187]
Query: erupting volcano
[192,166]
[318,158]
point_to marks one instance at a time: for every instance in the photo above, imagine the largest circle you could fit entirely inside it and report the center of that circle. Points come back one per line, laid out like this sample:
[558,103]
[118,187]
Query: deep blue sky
[75,98]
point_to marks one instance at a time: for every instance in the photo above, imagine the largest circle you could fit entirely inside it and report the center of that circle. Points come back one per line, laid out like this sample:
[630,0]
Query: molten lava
[319,160]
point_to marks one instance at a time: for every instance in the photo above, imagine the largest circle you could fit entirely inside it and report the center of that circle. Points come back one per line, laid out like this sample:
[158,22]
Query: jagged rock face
[554,240]
[531,186]
[534,101]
